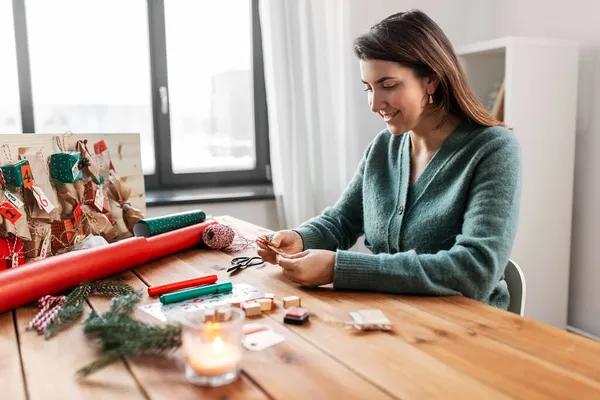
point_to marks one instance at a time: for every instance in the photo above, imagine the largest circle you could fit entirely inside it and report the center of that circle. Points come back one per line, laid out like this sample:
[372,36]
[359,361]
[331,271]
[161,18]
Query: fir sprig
[72,308]
[119,335]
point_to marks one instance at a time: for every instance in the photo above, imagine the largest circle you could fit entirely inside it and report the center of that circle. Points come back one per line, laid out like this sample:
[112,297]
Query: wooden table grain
[440,347]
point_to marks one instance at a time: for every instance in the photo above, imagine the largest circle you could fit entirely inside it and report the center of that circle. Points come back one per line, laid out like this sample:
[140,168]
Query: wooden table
[449,347]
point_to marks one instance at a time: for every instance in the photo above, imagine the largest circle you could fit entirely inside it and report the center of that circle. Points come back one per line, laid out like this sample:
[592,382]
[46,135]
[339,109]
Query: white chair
[515,280]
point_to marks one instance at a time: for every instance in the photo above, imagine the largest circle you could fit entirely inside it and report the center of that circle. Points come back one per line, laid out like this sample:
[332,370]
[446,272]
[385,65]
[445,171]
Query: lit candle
[216,358]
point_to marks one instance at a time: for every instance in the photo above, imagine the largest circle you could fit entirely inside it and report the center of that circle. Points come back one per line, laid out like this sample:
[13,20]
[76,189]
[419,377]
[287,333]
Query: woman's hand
[288,241]
[309,268]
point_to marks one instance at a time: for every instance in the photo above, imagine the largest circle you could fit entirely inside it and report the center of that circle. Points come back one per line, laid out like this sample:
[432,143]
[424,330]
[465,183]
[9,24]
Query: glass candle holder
[213,349]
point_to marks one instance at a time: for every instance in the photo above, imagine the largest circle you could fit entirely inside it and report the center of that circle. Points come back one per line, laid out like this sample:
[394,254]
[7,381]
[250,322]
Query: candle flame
[218,345]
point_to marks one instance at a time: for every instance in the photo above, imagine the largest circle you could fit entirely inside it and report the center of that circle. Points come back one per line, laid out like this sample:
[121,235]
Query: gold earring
[430,99]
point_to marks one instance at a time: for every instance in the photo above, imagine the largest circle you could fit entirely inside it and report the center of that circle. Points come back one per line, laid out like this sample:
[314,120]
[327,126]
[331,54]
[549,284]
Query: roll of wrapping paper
[29,282]
[154,226]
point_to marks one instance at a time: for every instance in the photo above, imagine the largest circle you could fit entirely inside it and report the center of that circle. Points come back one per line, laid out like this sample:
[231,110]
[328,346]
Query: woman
[436,194]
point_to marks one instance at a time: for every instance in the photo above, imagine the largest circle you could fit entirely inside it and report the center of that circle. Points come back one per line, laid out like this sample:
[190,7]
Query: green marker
[182,295]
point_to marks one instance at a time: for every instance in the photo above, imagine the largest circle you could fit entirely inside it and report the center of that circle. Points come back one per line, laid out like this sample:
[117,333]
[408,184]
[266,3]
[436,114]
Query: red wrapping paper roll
[22,285]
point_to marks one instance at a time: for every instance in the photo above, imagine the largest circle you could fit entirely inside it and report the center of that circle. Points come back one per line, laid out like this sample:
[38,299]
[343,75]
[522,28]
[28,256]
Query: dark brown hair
[414,40]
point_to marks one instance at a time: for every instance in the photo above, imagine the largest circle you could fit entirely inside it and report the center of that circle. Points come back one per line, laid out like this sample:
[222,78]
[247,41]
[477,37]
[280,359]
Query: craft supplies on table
[240,292]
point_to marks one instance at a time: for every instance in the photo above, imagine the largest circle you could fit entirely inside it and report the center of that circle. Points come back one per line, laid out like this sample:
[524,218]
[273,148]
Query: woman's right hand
[288,241]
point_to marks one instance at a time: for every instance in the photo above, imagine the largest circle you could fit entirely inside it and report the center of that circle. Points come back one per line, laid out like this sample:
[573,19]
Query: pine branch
[119,335]
[72,309]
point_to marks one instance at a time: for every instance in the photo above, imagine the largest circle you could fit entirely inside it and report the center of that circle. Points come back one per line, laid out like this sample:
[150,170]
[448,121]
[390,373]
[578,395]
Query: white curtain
[311,84]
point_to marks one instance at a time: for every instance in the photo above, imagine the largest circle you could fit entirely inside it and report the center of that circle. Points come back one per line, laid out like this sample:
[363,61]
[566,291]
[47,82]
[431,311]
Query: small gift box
[11,252]
[39,230]
[18,174]
[63,233]
[93,196]
[64,167]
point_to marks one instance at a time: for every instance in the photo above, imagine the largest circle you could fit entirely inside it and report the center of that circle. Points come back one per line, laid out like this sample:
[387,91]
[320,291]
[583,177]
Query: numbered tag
[77,214]
[75,170]
[13,199]
[15,259]
[27,176]
[8,211]
[46,243]
[100,147]
[99,200]
[42,200]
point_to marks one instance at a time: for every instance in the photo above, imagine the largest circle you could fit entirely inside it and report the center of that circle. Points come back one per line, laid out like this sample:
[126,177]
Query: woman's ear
[431,84]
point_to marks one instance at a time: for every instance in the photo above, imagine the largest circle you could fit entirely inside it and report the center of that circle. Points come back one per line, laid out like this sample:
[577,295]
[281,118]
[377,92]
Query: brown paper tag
[42,181]
[42,200]
[13,199]
[46,242]
[15,258]
[20,226]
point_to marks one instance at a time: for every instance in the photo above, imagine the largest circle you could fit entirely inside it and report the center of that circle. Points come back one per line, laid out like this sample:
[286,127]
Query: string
[240,242]
[7,153]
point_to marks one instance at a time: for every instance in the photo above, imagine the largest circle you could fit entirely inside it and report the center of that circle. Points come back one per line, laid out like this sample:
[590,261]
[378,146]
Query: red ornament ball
[218,236]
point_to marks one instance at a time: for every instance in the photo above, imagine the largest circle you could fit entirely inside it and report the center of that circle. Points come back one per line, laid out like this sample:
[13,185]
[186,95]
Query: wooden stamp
[223,314]
[291,301]
[265,304]
[235,303]
[209,314]
[251,308]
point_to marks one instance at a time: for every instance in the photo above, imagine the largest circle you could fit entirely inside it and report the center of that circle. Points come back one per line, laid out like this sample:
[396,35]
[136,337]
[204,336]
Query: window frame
[164,177]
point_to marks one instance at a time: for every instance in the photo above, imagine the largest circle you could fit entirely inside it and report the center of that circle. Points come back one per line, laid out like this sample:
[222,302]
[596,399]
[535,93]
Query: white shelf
[540,103]
[499,45]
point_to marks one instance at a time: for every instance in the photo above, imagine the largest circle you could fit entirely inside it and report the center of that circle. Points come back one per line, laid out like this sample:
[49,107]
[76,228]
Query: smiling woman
[437,192]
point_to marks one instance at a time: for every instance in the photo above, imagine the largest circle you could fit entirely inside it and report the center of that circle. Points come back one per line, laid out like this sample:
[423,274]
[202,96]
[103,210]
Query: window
[210,85]
[86,78]
[187,75]
[10,115]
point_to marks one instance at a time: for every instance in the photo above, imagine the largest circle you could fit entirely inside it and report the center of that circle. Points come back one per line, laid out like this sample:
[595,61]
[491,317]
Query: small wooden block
[291,301]
[252,309]
[209,315]
[223,314]
[265,304]
[235,303]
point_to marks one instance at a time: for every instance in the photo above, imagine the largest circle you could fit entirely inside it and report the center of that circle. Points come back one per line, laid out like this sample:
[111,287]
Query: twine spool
[218,236]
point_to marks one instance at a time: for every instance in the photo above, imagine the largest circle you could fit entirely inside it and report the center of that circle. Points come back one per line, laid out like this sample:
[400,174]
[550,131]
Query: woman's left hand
[309,268]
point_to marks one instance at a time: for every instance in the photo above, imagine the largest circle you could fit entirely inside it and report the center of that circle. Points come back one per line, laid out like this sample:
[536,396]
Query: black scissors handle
[243,262]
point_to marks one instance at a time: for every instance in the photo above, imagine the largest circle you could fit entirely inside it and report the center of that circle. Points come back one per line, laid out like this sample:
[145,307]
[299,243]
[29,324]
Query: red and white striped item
[50,307]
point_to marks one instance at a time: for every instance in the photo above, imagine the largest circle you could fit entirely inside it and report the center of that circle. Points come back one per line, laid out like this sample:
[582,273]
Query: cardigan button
[400,210]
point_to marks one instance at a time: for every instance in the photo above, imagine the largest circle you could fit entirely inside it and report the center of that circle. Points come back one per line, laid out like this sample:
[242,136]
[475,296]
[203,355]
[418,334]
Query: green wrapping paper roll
[154,226]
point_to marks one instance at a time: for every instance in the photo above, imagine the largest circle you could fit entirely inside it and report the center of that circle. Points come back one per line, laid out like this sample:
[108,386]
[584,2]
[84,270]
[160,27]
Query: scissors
[243,262]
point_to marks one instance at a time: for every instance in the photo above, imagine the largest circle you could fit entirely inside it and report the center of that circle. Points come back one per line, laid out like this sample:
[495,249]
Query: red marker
[172,287]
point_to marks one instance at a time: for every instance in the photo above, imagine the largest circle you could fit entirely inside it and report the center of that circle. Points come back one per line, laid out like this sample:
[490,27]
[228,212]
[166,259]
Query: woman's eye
[368,89]
[389,87]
